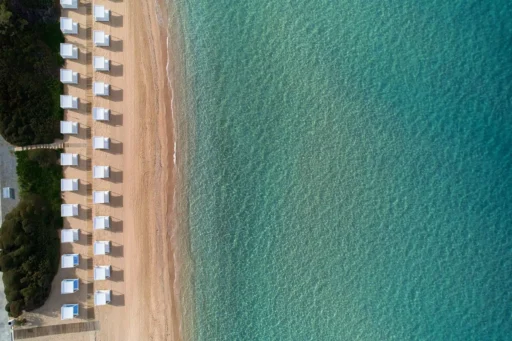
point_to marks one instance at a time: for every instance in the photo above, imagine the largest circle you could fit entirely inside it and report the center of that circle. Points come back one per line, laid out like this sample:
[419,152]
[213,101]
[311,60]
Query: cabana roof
[68,127]
[69,286]
[70,260]
[102,297]
[67,185]
[68,102]
[100,89]
[67,159]
[101,197]
[100,114]
[69,210]
[69,235]
[100,142]
[8,193]
[68,76]
[68,311]
[100,172]
[68,51]
[100,13]
[72,4]
[68,26]
[101,222]
[100,38]
[101,63]
[101,247]
[101,272]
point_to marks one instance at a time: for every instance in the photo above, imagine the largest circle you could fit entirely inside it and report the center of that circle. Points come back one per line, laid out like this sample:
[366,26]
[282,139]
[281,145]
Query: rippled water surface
[350,170]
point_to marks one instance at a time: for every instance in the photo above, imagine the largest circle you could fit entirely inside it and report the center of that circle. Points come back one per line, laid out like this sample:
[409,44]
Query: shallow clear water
[351,169]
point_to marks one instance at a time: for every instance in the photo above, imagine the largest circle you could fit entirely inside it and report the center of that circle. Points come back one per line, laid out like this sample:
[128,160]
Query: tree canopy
[29,71]
[29,242]
[29,256]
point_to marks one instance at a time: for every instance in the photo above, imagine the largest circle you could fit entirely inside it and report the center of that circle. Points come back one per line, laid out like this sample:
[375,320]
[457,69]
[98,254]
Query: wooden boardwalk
[21,334]
[56,145]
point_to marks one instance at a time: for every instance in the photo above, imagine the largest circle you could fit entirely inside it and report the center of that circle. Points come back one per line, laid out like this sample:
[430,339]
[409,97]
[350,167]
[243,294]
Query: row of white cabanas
[70,51]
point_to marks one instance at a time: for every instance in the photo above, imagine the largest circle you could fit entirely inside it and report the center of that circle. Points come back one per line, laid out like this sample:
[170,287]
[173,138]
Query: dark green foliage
[39,173]
[29,255]
[29,71]
[29,242]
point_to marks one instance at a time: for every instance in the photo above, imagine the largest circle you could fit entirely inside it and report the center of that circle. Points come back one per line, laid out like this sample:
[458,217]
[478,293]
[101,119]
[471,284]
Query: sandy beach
[145,303]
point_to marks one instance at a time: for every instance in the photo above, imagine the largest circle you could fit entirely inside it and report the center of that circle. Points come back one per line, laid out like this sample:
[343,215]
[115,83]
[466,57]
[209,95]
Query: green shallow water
[350,169]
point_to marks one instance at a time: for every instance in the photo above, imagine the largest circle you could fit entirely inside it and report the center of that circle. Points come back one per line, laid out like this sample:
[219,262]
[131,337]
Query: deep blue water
[350,169]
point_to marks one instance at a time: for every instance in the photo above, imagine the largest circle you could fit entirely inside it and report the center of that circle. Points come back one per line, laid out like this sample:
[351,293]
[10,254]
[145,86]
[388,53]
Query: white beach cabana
[69,235]
[68,76]
[68,51]
[69,286]
[69,210]
[101,197]
[100,114]
[100,63]
[100,142]
[68,311]
[68,185]
[101,247]
[68,159]
[100,38]
[101,222]
[100,172]
[100,89]
[70,260]
[102,297]
[68,127]
[102,272]
[68,26]
[68,102]
[8,193]
[100,13]
[71,4]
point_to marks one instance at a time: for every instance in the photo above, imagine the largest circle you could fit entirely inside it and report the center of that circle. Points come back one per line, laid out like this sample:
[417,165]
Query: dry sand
[145,301]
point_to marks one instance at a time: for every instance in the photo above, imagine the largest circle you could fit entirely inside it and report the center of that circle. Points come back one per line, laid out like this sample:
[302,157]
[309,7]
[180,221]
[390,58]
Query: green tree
[29,253]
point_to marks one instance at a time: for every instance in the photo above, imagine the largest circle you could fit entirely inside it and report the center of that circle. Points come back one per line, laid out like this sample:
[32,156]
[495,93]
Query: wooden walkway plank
[21,334]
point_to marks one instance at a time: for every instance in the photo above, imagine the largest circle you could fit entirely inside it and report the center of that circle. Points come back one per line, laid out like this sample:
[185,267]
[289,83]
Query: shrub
[39,173]
[29,72]
[29,253]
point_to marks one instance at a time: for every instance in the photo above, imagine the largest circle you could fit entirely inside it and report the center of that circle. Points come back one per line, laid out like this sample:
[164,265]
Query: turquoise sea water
[350,169]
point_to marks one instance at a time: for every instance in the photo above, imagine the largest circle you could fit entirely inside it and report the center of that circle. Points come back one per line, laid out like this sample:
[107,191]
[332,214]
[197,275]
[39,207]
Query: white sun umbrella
[69,260]
[101,222]
[68,127]
[100,114]
[100,142]
[102,297]
[100,89]
[68,102]
[100,38]
[68,51]
[68,26]
[67,185]
[100,63]
[100,13]
[68,76]
[100,172]
[69,235]
[68,159]
[69,210]
[69,311]
[101,247]
[69,286]
[102,272]
[71,4]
